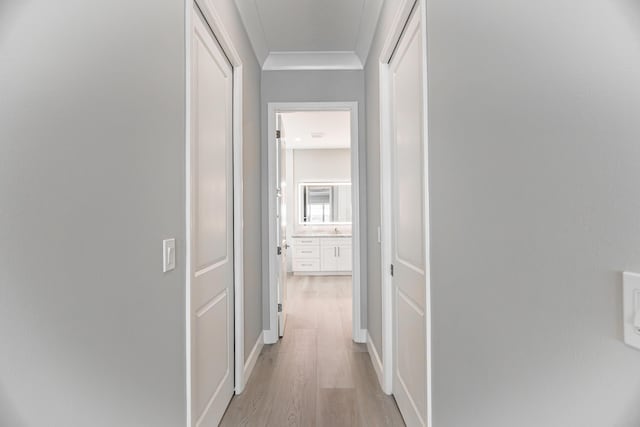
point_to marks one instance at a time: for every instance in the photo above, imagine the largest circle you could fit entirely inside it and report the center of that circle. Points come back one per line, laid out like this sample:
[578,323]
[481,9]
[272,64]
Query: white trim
[312,61]
[366,32]
[188,12]
[375,360]
[427,211]
[385,228]
[270,336]
[290,196]
[391,41]
[223,37]
[253,24]
[271,332]
[253,357]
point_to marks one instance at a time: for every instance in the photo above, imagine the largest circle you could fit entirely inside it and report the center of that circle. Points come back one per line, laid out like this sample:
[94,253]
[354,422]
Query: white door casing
[408,224]
[211,232]
[273,108]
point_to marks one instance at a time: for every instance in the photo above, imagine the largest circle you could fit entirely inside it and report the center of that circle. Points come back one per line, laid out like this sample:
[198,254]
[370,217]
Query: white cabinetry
[345,258]
[324,255]
[328,259]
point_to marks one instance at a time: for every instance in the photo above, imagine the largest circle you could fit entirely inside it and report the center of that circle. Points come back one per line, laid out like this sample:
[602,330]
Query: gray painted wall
[535,208]
[252,206]
[252,187]
[534,160]
[372,85]
[314,86]
[91,180]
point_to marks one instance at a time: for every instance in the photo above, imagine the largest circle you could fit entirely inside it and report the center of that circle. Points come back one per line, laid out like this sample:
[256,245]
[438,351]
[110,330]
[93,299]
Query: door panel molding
[211,267]
[211,303]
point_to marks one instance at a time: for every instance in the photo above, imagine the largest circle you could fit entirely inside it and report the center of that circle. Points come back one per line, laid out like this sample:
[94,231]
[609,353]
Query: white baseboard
[253,357]
[375,360]
[270,336]
[360,336]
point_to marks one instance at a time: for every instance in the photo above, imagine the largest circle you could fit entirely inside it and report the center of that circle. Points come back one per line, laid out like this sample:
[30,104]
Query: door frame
[393,38]
[271,333]
[223,37]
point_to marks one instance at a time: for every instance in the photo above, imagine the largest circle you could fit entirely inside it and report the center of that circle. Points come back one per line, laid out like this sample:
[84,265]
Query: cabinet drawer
[335,241]
[306,264]
[305,241]
[306,251]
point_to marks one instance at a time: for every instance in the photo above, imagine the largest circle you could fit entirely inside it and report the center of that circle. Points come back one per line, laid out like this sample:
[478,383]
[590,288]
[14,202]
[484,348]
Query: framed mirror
[324,203]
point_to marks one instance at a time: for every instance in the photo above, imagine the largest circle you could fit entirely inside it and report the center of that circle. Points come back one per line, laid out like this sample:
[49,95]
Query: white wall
[534,172]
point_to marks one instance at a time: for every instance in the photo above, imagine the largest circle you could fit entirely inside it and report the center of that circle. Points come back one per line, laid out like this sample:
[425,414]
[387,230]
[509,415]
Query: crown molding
[368,24]
[312,61]
[253,26]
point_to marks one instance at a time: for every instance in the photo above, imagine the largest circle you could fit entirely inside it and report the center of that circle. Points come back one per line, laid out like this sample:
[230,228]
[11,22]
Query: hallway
[315,375]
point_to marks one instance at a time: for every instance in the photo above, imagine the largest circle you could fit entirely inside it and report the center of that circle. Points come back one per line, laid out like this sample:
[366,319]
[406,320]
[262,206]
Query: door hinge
[279,250]
[279,308]
[391,270]
[278,134]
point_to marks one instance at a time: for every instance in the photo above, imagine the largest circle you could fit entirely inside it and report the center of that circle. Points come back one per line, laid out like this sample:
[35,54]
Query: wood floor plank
[337,407]
[315,375]
[334,370]
[251,406]
[375,407]
[294,402]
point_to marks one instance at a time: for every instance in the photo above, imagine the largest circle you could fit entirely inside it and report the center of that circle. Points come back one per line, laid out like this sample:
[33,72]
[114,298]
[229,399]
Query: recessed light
[317,134]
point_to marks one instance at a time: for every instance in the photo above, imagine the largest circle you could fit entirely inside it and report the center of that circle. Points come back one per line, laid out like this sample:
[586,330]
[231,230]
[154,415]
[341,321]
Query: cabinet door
[328,258]
[345,258]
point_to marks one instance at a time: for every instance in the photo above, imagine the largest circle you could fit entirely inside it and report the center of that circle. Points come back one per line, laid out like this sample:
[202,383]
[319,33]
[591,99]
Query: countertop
[320,234]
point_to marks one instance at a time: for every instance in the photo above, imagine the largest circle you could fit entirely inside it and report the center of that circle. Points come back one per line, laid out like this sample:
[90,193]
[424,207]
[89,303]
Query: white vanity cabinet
[322,255]
[335,254]
[328,258]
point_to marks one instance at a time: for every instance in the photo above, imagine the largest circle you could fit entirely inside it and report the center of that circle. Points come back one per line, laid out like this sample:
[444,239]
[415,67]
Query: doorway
[313,208]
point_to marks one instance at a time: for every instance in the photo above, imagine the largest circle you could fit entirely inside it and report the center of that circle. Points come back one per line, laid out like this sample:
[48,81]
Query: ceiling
[317,129]
[311,34]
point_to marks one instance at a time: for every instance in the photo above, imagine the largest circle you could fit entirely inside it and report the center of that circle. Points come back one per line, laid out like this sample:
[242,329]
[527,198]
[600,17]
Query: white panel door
[408,225]
[211,183]
[281,226]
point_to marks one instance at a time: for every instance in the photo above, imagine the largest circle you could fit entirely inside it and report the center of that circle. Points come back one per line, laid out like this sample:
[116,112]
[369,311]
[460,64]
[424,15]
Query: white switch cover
[631,302]
[168,255]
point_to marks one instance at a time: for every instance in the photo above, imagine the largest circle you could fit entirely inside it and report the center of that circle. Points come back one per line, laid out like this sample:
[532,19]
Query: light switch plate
[168,255]
[631,302]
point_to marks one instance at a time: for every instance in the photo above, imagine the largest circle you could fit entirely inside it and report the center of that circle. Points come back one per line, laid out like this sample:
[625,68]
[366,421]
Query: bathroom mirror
[324,203]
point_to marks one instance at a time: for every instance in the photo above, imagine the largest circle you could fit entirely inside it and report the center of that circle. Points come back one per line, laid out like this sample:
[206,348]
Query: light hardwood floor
[315,375]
